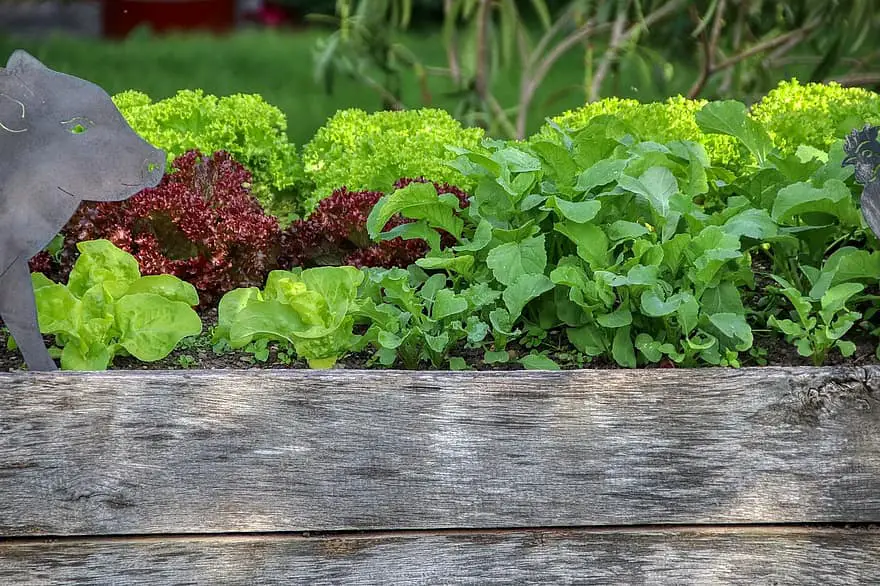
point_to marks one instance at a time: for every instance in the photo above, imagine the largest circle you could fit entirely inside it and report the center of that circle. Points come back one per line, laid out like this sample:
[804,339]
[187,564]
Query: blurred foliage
[744,48]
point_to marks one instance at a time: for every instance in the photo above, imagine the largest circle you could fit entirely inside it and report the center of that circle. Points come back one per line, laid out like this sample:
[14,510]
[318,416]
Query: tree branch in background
[789,41]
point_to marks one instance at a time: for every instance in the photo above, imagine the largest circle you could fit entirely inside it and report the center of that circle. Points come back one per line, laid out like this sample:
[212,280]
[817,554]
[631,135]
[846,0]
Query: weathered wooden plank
[146,452]
[755,557]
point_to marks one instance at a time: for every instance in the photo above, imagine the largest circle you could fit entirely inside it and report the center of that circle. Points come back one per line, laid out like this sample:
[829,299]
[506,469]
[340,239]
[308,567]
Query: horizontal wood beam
[755,556]
[127,452]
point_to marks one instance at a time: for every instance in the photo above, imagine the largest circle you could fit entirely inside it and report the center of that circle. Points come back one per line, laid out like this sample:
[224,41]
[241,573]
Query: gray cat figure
[62,141]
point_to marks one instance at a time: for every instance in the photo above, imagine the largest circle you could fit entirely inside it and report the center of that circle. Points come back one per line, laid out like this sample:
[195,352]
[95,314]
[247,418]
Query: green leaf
[733,326]
[579,212]
[653,306]
[587,339]
[617,319]
[514,259]
[151,326]
[622,348]
[168,286]
[538,362]
[592,244]
[456,264]
[476,329]
[447,303]
[624,230]
[833,198]
[482,237]
[846,348]
[438,343]
[731,118]
[502,322]
[523,289]
[657,185]
[417,201]
[752,223]
[496,357]
[100,261]
[836,297]
[458,363]
[601,173]
[786,326]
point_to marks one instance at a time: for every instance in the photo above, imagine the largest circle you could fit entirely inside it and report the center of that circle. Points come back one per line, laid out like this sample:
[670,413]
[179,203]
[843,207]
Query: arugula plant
[311,309]
[825,314]
[600,235]
[108,309]
[415,317]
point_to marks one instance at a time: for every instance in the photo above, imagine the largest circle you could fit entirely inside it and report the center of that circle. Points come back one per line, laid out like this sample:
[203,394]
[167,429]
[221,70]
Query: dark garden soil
[198,353]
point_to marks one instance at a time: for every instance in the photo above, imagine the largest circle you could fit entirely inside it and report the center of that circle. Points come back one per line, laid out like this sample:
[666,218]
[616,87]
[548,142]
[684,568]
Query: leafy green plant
[814,114]
[600,236]
[824,315]
[672,119]
[244,125]
[108,309]
[414,317]
[370,152]
[311,309]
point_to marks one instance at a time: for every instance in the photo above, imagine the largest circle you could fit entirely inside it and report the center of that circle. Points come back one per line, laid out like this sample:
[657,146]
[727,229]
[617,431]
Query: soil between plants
[197,353]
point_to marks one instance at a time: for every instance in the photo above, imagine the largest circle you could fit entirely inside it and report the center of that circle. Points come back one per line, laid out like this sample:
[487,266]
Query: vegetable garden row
[679,233]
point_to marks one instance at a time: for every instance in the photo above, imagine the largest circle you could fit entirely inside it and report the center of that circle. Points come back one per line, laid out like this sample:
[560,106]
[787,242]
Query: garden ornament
[62,141]
[863,153]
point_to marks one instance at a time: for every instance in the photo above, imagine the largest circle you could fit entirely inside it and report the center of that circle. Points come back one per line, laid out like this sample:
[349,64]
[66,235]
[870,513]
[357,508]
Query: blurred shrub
[369,152]
[245,126]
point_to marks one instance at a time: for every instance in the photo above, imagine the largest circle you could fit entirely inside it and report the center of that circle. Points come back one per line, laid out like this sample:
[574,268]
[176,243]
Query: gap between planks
[758,529]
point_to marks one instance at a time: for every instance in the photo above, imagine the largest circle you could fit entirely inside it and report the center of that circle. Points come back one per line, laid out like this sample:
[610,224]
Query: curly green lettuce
[672,119]
[369,152]
[814,114]
[244,125]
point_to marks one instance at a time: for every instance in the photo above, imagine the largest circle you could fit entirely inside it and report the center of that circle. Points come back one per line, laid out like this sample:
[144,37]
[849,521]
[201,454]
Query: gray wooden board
[125,452]
[702,557]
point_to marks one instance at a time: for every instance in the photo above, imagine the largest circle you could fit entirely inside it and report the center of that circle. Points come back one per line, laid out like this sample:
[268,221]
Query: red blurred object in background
[121,16]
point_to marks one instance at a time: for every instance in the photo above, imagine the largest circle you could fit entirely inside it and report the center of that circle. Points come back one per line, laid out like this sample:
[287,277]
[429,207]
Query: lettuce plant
[369,152]
[311,309]
[243,125]
[201,224]
[108,309]
[336,233]
[814,114]
[661,122]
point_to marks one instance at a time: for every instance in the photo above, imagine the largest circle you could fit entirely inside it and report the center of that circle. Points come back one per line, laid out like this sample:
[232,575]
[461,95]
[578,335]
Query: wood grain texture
[124,452]
[754,558]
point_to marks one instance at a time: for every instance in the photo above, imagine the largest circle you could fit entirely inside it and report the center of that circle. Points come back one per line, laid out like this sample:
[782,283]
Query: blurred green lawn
[279,67]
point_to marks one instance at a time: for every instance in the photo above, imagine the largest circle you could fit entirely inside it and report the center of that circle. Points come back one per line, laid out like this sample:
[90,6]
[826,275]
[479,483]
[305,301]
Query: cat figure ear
[22,61]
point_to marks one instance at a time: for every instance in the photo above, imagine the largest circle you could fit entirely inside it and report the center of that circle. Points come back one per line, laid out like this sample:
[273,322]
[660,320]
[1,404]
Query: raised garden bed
[764,476]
